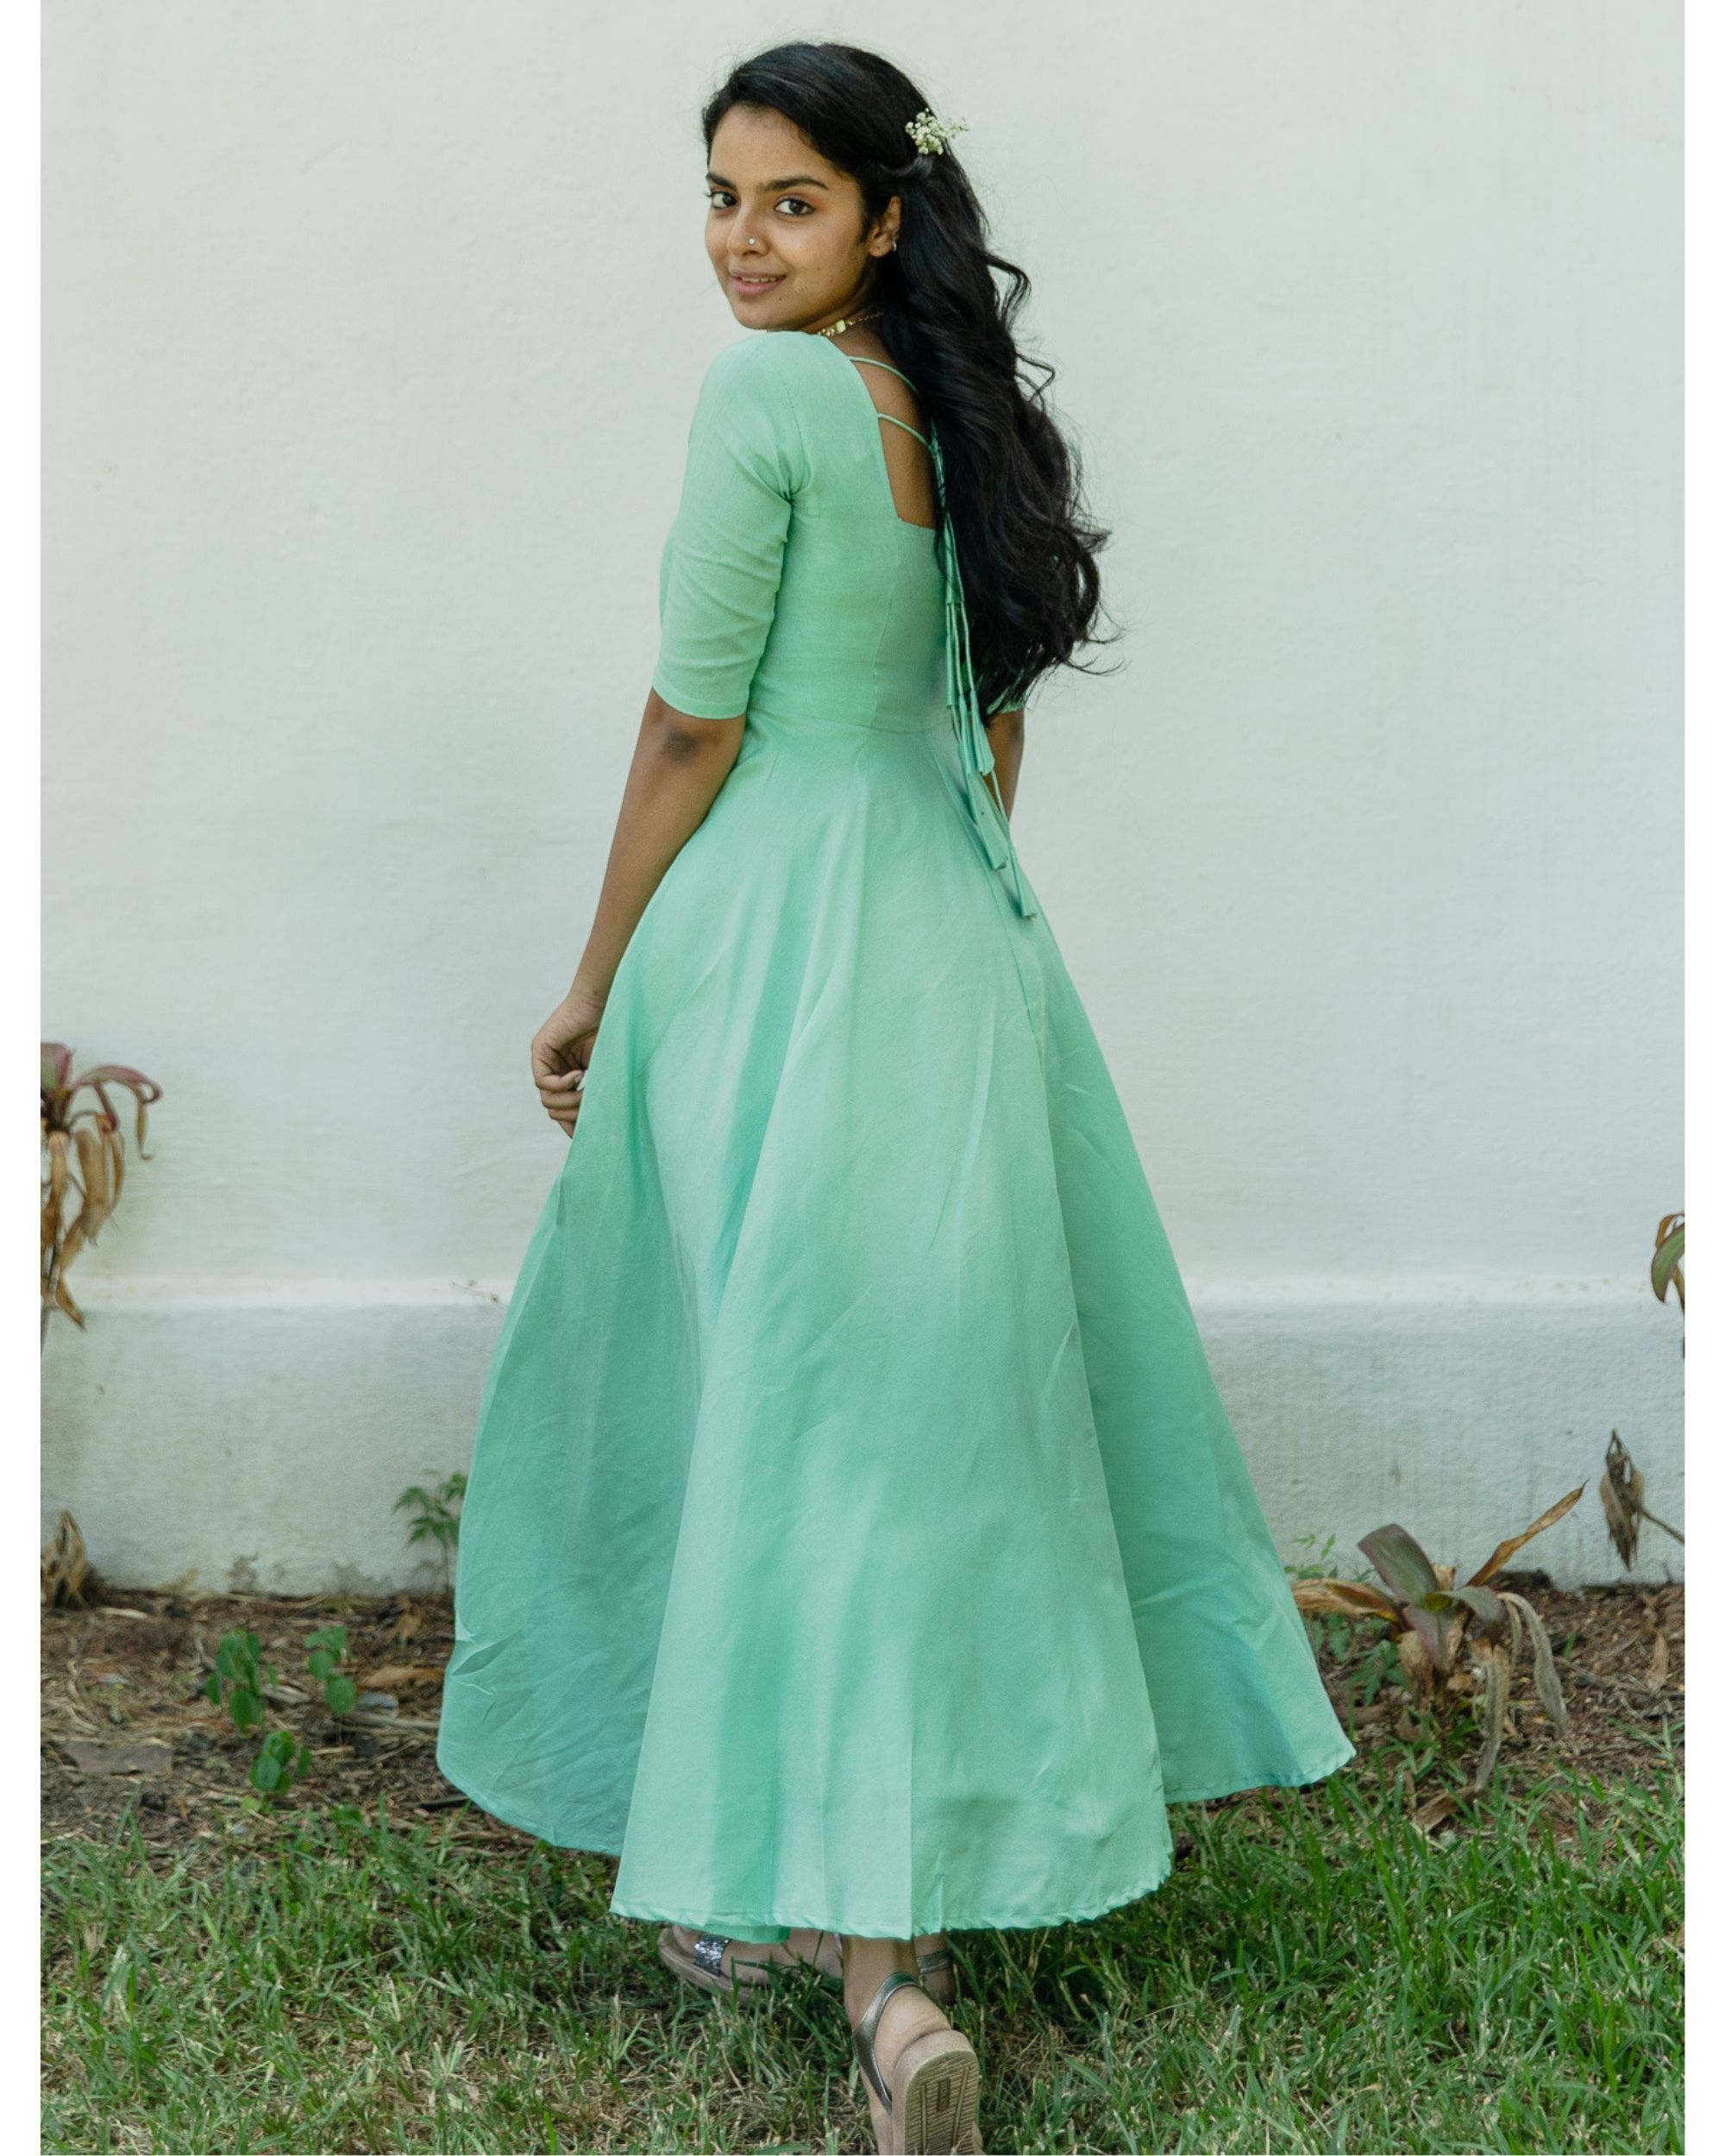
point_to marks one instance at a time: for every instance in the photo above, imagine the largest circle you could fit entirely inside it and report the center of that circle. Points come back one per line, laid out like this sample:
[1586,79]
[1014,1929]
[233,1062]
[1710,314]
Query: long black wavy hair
[1027,551]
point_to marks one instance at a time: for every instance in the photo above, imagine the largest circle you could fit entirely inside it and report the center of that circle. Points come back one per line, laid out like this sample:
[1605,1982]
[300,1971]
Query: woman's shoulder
[764,392]
[777,369]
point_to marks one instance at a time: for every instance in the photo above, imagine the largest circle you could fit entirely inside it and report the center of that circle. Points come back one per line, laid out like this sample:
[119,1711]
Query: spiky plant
[1452,1640]
[83,1163]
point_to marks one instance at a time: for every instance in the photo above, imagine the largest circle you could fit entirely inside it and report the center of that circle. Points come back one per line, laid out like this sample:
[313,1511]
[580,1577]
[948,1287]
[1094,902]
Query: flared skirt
[854,1535]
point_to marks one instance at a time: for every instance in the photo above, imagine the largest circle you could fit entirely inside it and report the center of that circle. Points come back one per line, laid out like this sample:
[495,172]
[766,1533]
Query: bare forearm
[1006,744]
[679,766]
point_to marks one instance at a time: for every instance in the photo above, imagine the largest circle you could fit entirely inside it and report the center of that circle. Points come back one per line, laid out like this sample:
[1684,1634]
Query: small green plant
[438,1516]
[245,1678]
[1313,1566]
[1329,1632]
[241,1676]
[324,1652]
[282,1759]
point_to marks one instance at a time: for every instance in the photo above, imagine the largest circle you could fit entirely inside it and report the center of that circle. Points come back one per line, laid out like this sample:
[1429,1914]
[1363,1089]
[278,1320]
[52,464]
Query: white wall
[372,337]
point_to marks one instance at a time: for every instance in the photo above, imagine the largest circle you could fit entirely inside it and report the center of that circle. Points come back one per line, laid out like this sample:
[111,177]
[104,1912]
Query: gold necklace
[847,322]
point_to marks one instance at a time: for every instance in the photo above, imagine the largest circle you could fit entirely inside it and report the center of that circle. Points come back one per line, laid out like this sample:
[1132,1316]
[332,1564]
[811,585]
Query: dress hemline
[639,1912]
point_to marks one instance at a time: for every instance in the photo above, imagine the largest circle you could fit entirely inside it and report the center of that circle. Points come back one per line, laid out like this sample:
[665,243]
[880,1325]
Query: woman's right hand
[563,1049]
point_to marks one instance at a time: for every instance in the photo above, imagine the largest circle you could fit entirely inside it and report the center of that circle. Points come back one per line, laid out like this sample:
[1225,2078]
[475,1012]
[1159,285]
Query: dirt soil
[125,1723]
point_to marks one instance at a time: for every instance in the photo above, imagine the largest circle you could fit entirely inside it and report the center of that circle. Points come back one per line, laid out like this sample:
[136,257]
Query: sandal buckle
[709,1952]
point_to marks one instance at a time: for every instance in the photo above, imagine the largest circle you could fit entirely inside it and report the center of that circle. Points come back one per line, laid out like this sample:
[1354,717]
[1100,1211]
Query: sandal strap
[863,2036]
[709,1952]
[935,1958]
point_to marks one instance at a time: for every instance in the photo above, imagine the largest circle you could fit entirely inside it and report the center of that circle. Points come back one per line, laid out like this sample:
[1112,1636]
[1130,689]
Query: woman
[855,1543]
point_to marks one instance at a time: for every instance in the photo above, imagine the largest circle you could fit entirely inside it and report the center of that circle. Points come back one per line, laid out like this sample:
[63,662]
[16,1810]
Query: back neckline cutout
[852,361]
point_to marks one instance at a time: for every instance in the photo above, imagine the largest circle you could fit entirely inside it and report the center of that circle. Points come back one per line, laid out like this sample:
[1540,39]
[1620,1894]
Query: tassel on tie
[988,819]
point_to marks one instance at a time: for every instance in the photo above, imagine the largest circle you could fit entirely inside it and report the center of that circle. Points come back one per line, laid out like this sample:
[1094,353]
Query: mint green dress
[855,1536]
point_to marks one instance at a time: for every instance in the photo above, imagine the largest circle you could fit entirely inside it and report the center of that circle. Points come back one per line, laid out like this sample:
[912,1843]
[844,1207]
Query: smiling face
[785,231]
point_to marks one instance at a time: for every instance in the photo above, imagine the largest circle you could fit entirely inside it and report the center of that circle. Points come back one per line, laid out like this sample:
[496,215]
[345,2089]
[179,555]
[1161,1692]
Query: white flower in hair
[931,135]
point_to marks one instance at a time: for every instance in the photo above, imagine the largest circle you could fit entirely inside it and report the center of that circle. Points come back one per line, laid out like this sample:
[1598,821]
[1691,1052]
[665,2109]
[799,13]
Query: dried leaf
[117,1167]
[397,1674]
[1659,1668]
[1430,1815]
[1492,1672]
[60,1165]
[1620,1494]
[143,1090]
[1517,1629]
[1416,1663]
[93,1166]
[102,1075]
[66,1564]
[1622,1499]
[1622,1519]
[1334,1598]
[1545,1665]
[1501,1556]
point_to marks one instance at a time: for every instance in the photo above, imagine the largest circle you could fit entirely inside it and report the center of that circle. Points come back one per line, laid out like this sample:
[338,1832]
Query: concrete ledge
[1460,1410]
[254,1437]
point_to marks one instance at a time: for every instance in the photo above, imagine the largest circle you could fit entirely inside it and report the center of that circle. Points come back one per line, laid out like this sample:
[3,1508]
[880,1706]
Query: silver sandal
[704,1963]
[931,2098]
[705,1966]
[938,1962]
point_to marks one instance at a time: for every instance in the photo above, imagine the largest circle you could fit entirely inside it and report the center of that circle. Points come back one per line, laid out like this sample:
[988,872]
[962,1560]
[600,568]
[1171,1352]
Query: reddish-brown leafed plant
[1452,1639]
[84,1161]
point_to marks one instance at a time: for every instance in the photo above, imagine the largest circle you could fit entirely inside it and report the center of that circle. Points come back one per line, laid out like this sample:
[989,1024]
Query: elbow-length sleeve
[719,574]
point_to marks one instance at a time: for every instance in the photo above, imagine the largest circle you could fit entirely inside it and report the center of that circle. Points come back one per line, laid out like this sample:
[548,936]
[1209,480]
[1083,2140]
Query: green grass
[1315,1976]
